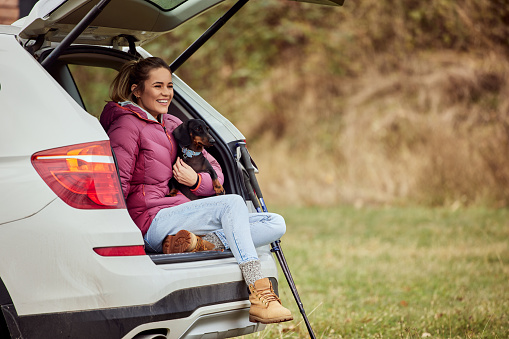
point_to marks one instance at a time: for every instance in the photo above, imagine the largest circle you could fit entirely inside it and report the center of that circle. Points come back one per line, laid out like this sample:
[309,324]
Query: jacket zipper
[169,137]
[152,121]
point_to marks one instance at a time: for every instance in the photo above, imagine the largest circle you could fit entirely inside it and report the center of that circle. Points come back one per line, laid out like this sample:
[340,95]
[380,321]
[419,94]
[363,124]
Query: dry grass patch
[435,131]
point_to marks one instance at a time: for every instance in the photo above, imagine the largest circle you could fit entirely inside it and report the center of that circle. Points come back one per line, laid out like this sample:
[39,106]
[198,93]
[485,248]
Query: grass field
[396,273]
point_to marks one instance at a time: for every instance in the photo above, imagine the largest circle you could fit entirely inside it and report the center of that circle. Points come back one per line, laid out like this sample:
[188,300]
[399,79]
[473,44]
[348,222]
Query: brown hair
[134,72]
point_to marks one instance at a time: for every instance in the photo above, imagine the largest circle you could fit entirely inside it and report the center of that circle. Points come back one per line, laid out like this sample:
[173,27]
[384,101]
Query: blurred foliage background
[376,102]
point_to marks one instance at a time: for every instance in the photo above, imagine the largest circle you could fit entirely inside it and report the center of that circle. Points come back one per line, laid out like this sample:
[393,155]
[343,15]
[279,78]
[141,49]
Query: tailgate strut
[75,33]
[206,36]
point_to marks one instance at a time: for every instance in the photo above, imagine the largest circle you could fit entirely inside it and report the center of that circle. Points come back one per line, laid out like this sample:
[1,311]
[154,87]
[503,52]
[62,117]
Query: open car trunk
[134,22]
[121,23]
[182,106]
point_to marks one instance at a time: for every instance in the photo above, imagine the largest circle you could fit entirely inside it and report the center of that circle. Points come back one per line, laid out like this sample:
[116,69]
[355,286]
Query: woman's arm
[184,173]
[205,187]
[202,181]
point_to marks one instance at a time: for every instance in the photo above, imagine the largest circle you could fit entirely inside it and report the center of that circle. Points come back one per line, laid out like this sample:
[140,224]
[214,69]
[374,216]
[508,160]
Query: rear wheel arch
[5,299]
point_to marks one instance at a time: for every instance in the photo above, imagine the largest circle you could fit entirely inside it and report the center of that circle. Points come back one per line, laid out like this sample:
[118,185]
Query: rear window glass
[167,5]
[93,85]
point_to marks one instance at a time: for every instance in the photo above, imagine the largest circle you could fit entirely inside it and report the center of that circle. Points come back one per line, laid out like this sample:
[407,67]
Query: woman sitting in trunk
[140,132]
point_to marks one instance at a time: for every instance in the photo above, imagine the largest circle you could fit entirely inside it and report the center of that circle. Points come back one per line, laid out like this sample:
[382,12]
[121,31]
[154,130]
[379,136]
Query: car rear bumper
[227,302]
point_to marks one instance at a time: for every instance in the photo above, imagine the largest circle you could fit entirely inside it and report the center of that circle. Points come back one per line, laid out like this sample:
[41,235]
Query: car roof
[142,19]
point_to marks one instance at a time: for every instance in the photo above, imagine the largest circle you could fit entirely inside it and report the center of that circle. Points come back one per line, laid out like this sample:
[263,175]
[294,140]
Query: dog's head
[195,134]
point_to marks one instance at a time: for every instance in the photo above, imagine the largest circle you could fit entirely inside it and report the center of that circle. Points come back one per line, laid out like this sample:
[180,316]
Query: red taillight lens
[120,251]
[83,176]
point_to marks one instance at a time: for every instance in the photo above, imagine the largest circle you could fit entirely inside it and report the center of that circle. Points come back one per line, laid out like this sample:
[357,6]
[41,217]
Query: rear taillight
[83,176]
[120,251]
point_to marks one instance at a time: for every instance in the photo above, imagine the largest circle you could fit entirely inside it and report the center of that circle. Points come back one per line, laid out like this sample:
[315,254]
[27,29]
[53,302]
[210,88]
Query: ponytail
[134,72]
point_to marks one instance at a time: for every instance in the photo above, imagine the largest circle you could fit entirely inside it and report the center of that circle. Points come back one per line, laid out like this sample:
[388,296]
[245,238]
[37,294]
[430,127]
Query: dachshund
[192,137]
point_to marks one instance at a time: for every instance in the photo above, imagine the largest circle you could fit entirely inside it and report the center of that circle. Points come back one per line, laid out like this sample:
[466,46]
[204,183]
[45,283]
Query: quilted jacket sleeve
[124,137]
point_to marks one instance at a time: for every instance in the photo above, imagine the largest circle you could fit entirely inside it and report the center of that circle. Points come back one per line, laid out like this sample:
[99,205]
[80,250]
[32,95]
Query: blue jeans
[226,216]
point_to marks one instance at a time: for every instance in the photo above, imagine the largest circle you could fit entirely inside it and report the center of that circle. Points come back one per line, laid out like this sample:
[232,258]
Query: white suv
[73,263]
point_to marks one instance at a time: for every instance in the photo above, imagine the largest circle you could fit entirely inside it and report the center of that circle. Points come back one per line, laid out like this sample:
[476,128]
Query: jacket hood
[112,111]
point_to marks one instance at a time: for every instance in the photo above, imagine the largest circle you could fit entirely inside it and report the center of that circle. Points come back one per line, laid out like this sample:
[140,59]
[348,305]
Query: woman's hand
[184,173]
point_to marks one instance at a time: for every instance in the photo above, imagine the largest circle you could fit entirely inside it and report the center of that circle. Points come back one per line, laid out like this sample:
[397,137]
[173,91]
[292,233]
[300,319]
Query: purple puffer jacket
[146,151]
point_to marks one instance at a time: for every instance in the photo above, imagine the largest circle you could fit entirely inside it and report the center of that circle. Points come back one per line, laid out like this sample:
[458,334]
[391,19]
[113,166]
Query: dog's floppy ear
[181,133]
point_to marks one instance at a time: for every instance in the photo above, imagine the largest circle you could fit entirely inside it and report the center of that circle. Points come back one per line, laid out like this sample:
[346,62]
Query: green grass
[396,273]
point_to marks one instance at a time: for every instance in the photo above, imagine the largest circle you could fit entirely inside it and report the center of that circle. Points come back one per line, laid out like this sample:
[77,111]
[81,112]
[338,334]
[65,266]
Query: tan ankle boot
[266,307]
[185,241]
[203,245]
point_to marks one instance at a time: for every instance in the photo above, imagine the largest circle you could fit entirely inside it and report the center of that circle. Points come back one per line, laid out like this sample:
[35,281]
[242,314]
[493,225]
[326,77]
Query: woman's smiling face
[158,92]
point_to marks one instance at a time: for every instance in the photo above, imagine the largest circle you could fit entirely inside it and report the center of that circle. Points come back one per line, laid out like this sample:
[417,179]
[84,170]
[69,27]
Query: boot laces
[200,246]
[266,296]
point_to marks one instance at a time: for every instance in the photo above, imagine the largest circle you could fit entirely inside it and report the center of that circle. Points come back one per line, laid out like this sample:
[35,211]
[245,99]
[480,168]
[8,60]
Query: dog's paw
[219,190]
[173,192]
